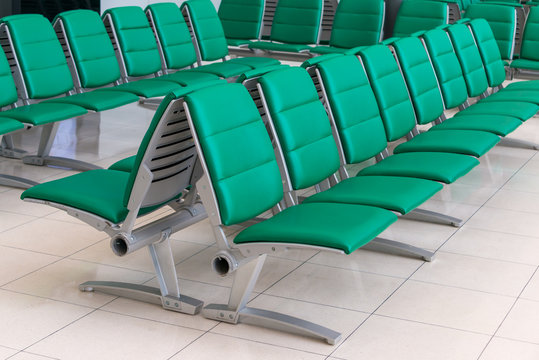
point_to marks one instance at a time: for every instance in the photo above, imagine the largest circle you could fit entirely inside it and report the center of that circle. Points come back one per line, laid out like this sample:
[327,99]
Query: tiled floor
[479,299]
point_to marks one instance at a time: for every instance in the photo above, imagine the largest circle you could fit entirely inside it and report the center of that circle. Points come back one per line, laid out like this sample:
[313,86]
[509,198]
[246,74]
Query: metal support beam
[398,248]
[433,217]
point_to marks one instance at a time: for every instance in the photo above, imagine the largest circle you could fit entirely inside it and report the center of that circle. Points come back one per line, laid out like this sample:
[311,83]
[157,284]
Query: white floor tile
[61,280]
[15,263]
[336,287]
[448,306]
[502,349]
[493,276]
[29,356]
[27,319]
[6,352]
[531,292]
[523,182]
[522,323]
[370,261]
[515,200]
[381,338]
[119,337]
[494,245]
[419,233]
[507,221]
[212,346]
[9,220]
[11,202]
[51,237]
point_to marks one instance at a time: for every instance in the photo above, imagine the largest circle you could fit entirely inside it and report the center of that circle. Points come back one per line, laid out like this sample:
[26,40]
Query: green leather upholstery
[417,15]
[241,19]
[238,152]
[296,23]
[438,166]
[390,90]
[8,125]
[447,68]
[360,127]
[469,58]
[467,142]
[98,100]
[208,29]
[420,79]
[394,193]
[356,23]
[529,53]
[8,95]
[339,226]
[223,69]
[519,110]
[40,56]
[497,124]
[173,35]
[136,40]
[44,113]
[292,99]
[91,47]
[241,163]
[126,164]
[502,20]
[490,53]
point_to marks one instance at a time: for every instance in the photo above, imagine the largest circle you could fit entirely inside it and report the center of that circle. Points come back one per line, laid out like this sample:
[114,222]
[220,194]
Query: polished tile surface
[478,299]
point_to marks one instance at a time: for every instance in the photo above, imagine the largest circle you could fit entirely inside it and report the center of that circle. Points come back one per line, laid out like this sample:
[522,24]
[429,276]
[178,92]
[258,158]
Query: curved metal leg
[396,247]
[433,217]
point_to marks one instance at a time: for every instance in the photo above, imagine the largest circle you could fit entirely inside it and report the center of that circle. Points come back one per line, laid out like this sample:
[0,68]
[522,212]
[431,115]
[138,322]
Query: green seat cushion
[44,113]
[497,124]
[401,194]
[98,100]
[222,69]
[147,88]
[467,142]
[189,77]
[273,46]
[100,192]
[343,227]
[329,50]
[513,95]
[520,110]
[437,166]
[523,85]
[8,125]
[255,62]
[237,42]
[126,164]
[525,64]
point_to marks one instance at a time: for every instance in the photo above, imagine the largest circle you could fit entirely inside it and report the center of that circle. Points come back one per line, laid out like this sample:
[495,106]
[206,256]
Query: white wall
[105,4]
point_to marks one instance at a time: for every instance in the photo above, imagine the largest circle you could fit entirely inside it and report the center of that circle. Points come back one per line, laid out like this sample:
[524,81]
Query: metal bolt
[221,315]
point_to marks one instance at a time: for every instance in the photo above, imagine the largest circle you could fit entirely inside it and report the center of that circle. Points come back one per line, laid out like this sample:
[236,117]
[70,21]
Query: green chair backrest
[173,35]
[390,91]
[419,15]
[353,107]
[420,78]
[447,67]
[297,21]
[237,151]
[207,28]
[502,20]
[91,49]
[530,39]
[469,59]
[8,95]
[302,126]
[241,19]
[167,152]
[40,56]
[136,40]
[357,23]
[490,53]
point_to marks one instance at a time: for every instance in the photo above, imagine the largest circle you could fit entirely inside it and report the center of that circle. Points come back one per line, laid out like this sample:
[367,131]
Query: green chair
[419,15]
[136,45]
[165,166]
[295,26]
[239,162]
[175,45]
[402,111]
[529,55]
[93,58]
[356,23]
[502,20]
[43,68]
[241,20]
[209,37]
